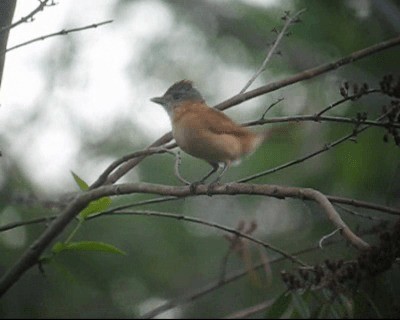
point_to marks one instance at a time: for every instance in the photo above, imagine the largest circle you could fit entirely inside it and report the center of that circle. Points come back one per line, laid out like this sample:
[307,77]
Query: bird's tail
[283,130]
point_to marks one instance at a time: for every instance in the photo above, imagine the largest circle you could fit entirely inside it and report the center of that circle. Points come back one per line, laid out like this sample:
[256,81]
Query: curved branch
[31,256]
[334,217]
[206,223]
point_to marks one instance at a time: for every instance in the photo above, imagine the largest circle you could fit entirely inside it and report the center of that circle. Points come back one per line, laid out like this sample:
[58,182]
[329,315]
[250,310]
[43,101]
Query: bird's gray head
[179,92]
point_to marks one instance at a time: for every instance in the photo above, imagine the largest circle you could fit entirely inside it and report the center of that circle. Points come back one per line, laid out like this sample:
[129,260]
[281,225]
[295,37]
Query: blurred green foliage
[167,258]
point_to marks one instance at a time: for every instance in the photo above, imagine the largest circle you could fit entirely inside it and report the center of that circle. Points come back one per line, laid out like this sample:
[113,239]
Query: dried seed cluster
[343,275]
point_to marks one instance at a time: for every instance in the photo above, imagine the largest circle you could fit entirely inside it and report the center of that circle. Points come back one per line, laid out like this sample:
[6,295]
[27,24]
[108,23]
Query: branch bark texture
[31,256]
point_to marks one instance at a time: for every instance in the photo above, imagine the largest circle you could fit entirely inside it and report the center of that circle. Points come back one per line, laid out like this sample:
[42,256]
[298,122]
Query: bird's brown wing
[219,123]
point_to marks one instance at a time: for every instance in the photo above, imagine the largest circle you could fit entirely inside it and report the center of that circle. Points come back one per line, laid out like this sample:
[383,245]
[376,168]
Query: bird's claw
[211,187]
[194,185]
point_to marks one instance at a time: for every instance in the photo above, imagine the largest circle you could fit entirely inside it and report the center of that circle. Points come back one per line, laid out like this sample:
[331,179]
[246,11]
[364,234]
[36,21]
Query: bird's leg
[193,185]
[177,165]
[218,179]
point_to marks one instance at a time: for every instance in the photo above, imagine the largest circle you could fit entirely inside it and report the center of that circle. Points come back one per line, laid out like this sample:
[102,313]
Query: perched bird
[204,132]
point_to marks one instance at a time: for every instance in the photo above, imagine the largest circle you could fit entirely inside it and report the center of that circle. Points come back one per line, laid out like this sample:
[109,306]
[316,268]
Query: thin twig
[325,148]
[350,97]
[59,33]
[234,231]
[232,276]
[13,225]
[357,214]
[243,314]
[327,236]
[270,107]
[40,7]
[289,21]
[316,118]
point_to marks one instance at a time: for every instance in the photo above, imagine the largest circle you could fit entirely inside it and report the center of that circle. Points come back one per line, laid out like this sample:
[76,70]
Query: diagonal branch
[309,74]
[240,98]
[40,7]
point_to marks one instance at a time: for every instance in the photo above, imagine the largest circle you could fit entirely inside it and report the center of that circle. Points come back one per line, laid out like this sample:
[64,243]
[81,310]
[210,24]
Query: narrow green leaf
[58,247]
[363,305]
[95,206]
[91,246]
[81,184]
[279,307]
[301,305]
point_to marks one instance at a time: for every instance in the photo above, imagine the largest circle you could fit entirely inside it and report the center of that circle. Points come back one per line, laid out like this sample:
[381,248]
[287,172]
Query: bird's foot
[194,185]
[211,187]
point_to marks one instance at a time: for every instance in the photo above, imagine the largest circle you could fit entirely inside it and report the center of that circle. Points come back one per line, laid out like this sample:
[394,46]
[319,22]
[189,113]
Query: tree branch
[309,74]
[31,256]
[59,33]
[7,8]
[289,21]
[232,276]
[239,98]
[210,224]
[316,118]
[326,147]
[40,7]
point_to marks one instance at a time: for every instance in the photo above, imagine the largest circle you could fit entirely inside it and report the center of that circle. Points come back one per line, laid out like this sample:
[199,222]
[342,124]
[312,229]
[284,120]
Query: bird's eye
[176,96]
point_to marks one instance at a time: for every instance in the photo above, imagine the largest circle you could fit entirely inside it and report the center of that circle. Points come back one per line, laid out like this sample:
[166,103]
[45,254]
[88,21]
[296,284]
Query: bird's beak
[159,100]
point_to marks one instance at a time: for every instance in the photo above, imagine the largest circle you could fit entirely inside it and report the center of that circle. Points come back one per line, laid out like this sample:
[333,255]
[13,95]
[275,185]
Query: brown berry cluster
[393,118]
[353,92]
[390,86]
[341,275]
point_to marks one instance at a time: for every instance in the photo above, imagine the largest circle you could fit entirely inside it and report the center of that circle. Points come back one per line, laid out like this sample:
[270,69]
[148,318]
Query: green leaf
[279,307]
[363,305]
[58,247]
[95,206]
[81,184]
[87,246]
[301,305]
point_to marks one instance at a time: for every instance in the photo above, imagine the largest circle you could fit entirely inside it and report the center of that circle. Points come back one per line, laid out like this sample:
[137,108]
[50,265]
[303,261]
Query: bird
[204,132]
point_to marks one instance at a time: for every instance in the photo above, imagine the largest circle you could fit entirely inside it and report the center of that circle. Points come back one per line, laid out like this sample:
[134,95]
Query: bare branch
[233,276]
[308,74]
[236,232]
[289,21]
[31,256]
[326,147]
[334,217]
[333,199]
[357,214]
[59,33]
[243,314]
[240,98]
[29,17]
[316,118]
